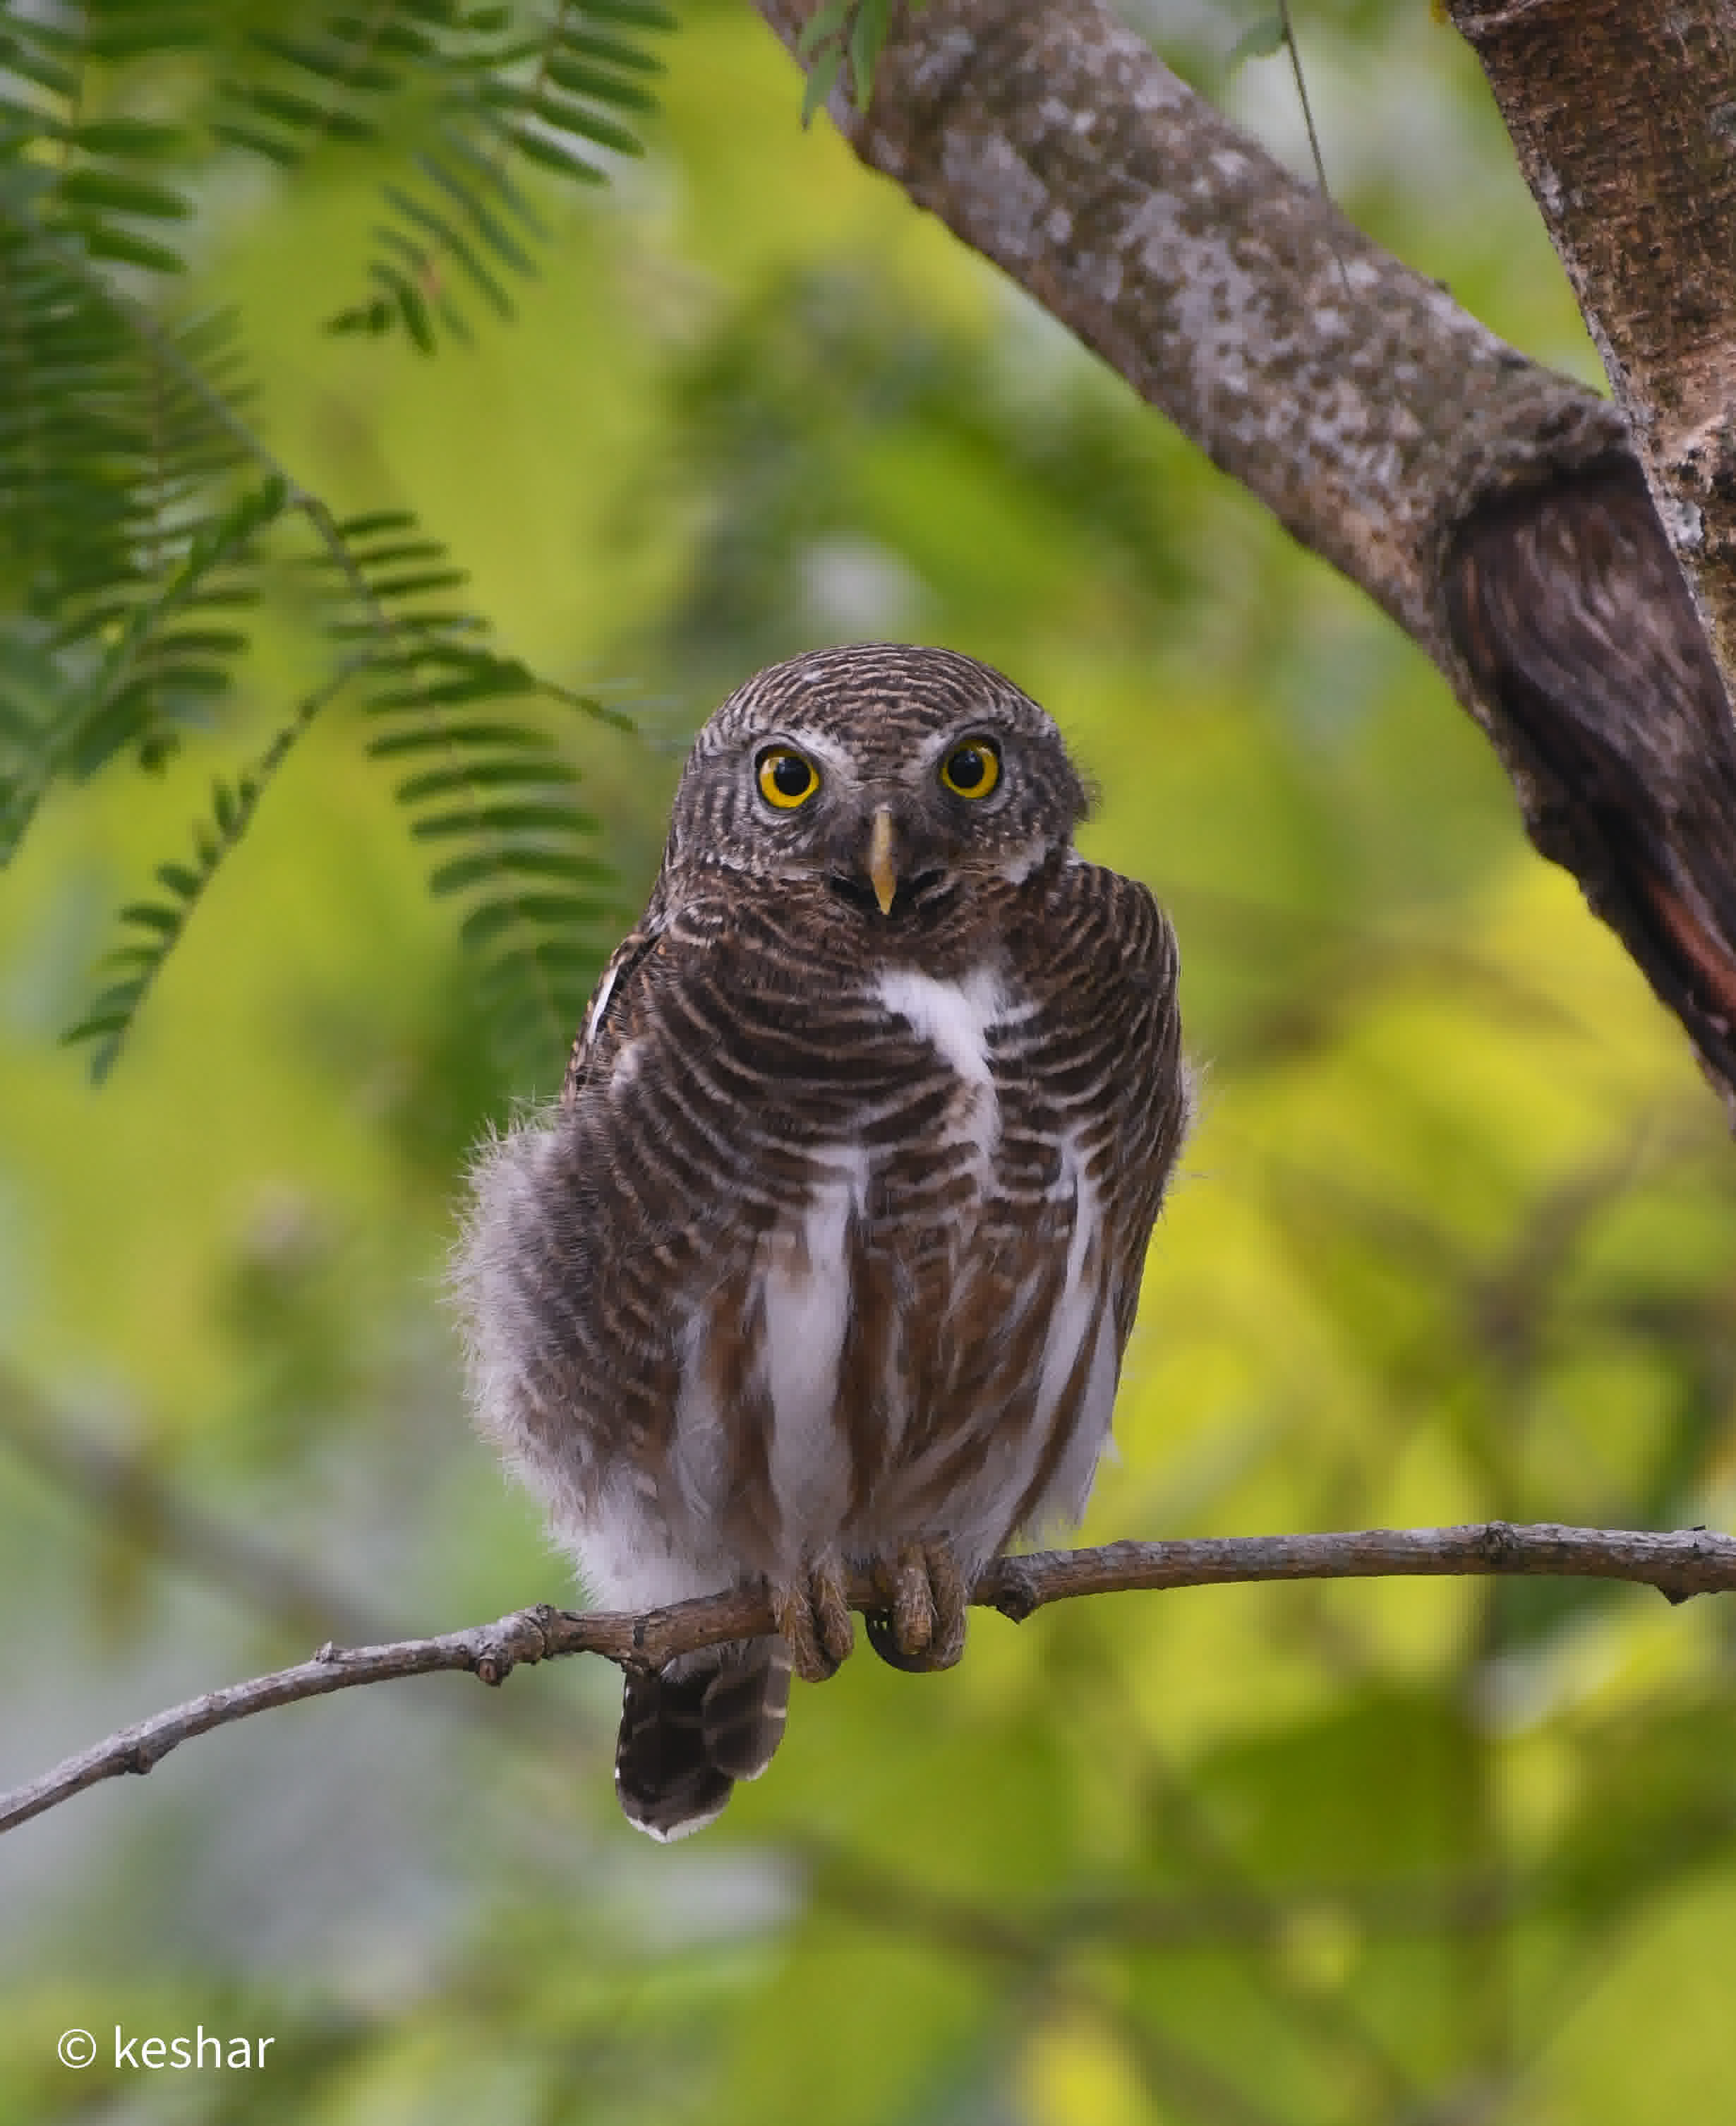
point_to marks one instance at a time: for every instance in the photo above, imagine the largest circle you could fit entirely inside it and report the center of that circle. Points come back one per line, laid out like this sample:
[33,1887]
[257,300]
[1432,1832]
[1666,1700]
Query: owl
[829,1254]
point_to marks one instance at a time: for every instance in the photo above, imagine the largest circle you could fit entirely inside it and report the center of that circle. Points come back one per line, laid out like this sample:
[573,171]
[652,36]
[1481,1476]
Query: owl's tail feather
[688,1735]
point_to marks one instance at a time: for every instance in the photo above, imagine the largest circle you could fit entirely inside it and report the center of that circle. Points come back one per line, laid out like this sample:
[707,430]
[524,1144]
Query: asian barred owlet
[829,1254]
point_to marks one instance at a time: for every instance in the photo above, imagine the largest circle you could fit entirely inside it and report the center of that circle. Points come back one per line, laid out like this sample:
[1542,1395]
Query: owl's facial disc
[897,814]
[901,829]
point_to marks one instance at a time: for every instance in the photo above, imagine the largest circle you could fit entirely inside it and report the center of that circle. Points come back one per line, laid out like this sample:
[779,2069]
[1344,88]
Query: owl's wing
[612,984]
[1104,961]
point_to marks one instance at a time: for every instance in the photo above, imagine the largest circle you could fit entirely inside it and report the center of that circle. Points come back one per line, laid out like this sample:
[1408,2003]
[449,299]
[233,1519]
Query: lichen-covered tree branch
[1497,511]
[1678,1563]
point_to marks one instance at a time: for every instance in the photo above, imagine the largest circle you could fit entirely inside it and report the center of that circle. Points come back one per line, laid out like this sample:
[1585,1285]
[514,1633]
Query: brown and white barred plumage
[830,1252]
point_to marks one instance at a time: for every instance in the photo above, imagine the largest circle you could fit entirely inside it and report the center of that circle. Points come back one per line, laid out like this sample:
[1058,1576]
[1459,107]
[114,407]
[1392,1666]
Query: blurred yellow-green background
[1453,1240]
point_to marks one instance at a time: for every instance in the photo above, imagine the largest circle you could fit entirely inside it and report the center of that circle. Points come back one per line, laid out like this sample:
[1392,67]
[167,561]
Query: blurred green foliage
[1453,1239]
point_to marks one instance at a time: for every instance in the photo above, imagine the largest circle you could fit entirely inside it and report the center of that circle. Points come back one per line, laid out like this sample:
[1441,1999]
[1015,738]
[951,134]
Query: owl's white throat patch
[954,1017]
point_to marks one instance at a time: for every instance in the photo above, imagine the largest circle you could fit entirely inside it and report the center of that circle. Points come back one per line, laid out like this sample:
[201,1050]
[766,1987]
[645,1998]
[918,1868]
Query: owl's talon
[793,1609]
[831,1590]
[912,1604]
[813,1614]
[922,1626]
[951,1603]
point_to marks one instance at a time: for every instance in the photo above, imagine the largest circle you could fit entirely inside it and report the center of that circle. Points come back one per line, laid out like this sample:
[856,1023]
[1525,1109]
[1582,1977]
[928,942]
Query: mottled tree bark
[1623,114]
[1494,509]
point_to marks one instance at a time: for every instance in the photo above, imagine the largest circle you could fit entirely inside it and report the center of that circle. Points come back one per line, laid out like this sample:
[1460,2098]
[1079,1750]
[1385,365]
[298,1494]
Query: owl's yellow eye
[971,770]
[786,778]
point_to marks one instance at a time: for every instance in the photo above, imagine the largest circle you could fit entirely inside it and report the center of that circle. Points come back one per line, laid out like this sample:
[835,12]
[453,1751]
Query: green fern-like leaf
[151,929]
[490,792]
[842,32]
[119,457]
[142,515]
[105,183]
[125,542]
[480,94]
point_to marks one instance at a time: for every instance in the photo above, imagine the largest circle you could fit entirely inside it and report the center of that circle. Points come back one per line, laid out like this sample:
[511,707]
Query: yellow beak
[883,870]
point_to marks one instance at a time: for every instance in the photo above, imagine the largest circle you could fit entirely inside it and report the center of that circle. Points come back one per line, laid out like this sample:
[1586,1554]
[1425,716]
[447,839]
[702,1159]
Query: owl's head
[888,772]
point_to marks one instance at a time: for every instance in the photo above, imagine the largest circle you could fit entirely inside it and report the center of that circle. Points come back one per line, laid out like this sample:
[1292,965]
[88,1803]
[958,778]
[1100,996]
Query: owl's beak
[882,870]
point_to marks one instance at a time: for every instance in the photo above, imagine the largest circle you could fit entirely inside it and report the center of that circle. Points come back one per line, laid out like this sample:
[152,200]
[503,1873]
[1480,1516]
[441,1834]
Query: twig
[176,1532]
[118,1480]
[1678,1564]
[1291,46]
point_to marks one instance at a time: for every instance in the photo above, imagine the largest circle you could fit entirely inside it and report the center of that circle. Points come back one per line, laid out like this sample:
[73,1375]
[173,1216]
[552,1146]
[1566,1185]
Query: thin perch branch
[1678,1564]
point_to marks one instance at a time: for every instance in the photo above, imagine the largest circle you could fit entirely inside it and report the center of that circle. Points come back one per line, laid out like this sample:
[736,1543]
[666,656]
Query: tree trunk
[1624,115]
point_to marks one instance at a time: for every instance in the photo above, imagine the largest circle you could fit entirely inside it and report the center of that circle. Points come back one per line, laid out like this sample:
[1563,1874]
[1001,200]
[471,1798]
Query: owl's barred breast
[825,1254]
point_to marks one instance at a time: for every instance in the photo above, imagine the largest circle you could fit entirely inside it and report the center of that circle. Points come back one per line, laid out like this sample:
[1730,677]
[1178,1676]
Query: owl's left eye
[971,770]
[786,778]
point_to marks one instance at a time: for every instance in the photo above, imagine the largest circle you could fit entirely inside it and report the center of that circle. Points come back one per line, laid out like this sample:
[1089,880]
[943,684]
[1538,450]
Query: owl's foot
[813,1612]
[924,1625]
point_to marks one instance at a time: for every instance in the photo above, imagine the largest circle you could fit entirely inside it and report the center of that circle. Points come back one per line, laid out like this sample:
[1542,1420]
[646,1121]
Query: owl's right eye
[786,778]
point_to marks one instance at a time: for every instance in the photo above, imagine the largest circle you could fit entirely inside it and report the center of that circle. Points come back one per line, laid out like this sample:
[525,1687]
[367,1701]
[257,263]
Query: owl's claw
[922,1626]
[813,1612]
